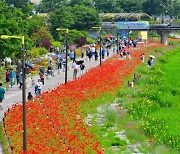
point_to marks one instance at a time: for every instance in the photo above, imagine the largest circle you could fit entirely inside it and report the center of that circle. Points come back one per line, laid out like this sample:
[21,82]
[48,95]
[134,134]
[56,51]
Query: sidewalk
[15,95]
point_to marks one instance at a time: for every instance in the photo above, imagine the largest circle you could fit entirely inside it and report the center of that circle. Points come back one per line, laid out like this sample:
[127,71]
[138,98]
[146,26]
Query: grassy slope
[155,99]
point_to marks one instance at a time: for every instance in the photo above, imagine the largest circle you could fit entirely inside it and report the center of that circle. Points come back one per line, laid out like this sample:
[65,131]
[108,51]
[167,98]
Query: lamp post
[23,88]
[117,42]
[128,37]
[67,31]
[100,37]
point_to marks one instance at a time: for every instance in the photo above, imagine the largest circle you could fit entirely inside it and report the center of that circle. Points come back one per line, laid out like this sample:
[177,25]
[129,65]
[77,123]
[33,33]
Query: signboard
[134,25]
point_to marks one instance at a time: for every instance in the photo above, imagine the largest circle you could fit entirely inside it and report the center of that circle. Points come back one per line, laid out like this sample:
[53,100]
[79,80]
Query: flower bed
[54,123]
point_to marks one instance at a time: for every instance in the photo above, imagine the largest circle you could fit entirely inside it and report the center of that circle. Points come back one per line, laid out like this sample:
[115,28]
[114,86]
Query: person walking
[59,64]
[90,55]
[103,52]
[2,92]
[74,57]
[38,87]
[82,66]
[7,80]
[82,53]
[87,54]
[12,76]
[17,77]
[20,80]
[108,51]
[41,75]
[96,55]
[75,67]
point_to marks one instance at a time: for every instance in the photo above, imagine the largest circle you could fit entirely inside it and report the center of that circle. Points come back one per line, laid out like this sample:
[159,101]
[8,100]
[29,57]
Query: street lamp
[100,29]
[23,88]
[128,37]
[67,31]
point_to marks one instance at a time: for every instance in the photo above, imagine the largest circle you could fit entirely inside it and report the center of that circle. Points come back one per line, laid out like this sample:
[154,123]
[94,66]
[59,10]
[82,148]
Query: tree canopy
[77,17]
[160,7]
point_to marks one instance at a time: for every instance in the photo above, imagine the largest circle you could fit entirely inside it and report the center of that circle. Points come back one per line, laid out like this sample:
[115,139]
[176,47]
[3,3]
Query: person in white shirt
[75,67]
[38,87]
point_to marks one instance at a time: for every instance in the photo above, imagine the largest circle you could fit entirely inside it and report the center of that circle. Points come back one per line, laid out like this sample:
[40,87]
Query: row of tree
[151,7]
[40,30]
[16,18]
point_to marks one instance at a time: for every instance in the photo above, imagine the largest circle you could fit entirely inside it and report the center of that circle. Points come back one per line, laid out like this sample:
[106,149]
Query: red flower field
[53,121]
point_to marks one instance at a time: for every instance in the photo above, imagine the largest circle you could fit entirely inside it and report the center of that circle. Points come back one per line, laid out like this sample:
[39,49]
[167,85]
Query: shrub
[56,44]
[42,51]
[36,52]
[33,53]
[90,41]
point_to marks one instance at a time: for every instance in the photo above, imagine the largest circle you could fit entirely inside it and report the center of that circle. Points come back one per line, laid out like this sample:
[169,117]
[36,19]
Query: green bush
[90,41]
[42,51]
[56,44]
[36,52]
[33,53]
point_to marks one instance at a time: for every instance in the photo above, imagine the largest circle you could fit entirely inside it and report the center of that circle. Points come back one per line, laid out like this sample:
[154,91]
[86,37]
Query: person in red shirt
[41,75]
[7,80]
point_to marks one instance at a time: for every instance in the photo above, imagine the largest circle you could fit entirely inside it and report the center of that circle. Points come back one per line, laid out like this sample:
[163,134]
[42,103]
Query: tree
[89,3]
[105,6]
[42,38]
[62,17]
[51,5]
[85,18]
[130,6]
[11,23]
[158,7]
[23,4]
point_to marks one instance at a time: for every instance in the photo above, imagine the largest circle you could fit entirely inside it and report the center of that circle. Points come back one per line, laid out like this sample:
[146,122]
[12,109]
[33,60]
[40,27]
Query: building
[36,2]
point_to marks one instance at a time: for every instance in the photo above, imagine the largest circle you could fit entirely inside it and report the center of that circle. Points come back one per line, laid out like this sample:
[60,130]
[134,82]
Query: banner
[134,25]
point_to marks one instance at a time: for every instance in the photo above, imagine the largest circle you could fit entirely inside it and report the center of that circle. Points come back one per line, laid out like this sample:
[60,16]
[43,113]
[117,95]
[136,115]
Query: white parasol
[151,56]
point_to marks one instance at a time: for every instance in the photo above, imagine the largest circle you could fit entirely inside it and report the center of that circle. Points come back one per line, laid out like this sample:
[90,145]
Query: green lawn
[155,99]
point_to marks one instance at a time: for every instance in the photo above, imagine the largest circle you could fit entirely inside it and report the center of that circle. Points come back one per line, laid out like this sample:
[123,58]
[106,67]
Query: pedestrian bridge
[163,29]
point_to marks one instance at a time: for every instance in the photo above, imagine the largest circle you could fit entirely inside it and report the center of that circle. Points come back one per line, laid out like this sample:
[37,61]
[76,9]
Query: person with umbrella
[150,61]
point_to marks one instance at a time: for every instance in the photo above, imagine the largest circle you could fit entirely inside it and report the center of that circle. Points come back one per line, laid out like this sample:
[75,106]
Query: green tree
[11,23]
[155,7]
[89,3]
[51,5]
[62,17]
[130,6]
[23,4]
[42,38]
[85,17]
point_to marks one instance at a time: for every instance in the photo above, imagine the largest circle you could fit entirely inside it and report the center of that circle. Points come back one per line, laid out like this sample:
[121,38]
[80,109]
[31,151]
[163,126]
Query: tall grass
[155,99]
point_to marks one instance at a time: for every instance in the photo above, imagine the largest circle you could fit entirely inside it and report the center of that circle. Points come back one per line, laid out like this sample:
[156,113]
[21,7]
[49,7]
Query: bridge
[162,29]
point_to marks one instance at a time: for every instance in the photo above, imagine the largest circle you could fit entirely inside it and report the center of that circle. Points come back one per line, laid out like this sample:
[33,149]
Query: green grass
[155,99]
[152,109]
[3,141]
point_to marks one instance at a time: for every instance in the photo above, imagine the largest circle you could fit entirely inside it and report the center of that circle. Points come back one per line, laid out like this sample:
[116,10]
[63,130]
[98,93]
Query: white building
[37,2]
